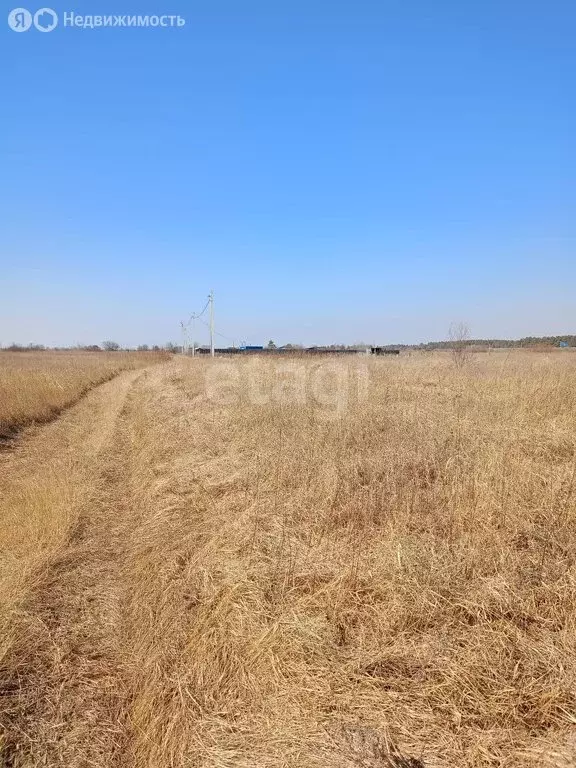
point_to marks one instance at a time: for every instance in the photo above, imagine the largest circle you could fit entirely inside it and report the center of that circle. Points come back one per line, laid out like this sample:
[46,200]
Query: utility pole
[184,339]
[211,300]
[193,335]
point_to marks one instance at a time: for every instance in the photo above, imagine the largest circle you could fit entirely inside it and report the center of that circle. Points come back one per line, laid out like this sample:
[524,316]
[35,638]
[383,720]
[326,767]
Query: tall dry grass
[36,386]
[408,566]
[294,590]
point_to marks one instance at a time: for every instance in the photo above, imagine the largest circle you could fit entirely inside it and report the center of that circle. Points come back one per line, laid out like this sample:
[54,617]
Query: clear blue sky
[336,170]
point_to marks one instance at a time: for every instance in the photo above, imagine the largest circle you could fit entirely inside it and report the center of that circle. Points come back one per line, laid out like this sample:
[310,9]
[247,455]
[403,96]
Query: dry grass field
[36,386]
[319,564]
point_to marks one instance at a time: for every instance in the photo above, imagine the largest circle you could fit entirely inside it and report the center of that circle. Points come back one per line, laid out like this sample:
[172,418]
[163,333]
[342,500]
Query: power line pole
[184,339]
[211,300]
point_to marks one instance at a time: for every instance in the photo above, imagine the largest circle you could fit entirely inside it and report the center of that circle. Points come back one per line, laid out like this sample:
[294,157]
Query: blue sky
[336,171]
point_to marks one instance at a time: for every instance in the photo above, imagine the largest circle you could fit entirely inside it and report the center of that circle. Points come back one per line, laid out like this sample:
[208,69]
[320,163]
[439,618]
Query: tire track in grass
[61,676]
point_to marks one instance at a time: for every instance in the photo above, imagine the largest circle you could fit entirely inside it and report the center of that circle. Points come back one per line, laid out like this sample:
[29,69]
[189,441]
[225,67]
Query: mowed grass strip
[36,386]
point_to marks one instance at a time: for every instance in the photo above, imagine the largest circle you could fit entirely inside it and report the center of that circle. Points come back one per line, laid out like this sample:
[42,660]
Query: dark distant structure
[383,351]
[288,351]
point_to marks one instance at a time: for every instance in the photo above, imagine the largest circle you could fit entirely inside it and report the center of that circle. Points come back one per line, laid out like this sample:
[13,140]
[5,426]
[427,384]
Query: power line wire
[185,326]
[195,316]
[228,338]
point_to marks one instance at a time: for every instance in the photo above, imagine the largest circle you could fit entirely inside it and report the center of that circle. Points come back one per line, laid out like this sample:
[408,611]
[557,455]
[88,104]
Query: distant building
[384,351]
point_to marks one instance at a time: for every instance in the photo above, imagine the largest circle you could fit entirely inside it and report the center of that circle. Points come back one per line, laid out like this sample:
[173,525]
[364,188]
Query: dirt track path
[62,676]
[109,505]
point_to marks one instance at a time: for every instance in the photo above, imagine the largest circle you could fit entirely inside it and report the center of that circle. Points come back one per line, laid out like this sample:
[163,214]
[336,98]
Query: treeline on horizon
[527,341]
[106,346]
[112,346]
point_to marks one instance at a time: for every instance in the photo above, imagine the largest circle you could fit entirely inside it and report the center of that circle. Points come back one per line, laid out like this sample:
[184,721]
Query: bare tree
[459,335]
[111,346]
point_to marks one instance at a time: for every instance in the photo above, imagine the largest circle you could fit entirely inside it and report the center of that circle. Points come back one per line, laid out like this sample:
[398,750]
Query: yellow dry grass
[36,386]
[263,584]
